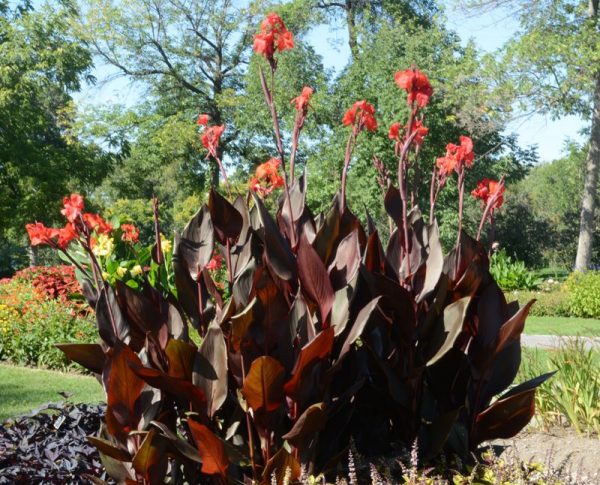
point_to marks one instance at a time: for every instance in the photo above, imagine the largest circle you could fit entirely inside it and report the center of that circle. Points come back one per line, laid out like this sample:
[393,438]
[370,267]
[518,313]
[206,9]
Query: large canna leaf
[196,243]
[181,357]
[182,390]
[308,424]
[393,204]
[512,329]
[359,325]
[278,466]
[211,449]
[314,278]
[112,325]
[319,348]
[442,337]
[280,258]
[109,449]
[90,356]
[345,265]
[510,413]
[151,459]
[263,386]
[226,219]
[212,353]
[123,390]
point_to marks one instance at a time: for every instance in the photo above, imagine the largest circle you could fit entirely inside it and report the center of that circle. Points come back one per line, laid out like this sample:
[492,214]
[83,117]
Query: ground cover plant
[50,446]
[321,336]
[571,397]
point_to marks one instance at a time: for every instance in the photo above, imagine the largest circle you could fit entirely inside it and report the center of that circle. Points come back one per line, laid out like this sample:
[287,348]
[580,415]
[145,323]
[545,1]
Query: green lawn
[23,389]
[562,326]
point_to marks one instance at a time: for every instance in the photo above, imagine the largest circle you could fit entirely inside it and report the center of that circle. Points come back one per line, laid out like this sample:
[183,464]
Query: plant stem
[272,108]
[222,168]
[347,156]
[461,196]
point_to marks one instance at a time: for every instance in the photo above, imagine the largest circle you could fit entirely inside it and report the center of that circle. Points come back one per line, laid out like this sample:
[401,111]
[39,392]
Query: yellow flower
[136,270]
[165,244]
[121,271]
[104,245]
[105,275]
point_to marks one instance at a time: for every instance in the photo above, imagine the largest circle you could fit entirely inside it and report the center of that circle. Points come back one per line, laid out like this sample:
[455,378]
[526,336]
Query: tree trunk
[33,256]
[588,202]
[351,23]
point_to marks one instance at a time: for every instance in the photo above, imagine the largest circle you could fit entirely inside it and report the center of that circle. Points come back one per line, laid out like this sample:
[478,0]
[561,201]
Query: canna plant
[324,336]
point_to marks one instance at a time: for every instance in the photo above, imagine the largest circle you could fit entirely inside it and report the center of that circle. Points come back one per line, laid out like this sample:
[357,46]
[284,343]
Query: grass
[562,326]
[23,389]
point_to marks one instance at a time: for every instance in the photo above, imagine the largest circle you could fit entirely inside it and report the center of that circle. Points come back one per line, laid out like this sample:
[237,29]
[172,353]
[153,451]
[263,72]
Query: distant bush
[548,304]
[511,274]
[38,309]
[584,294]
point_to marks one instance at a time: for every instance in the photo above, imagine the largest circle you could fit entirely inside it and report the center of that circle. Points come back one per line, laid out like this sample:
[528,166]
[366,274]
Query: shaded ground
[578,455]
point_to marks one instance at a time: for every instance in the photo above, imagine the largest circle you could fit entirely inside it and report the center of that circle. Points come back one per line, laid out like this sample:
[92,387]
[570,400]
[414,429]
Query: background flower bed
[40,307]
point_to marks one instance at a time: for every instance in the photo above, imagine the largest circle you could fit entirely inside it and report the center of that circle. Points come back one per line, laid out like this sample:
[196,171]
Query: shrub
[511,274]
[584,294]
[548,303]
[326,338]
[31,324]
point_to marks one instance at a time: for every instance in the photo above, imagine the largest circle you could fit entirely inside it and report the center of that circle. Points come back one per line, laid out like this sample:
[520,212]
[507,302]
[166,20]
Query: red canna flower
[266,178]
[130,233]
[66,235]
[362,114]
[394,131]
[95,223]
[203,119]
[418,129]
[416,85]
[211,138]
[273,36]
[488,188]
[457,156]
[40,234]
[73,207]
[216,261]
[301,101]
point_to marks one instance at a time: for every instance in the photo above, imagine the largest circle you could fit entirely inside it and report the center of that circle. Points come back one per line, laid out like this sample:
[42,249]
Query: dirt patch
[561,449]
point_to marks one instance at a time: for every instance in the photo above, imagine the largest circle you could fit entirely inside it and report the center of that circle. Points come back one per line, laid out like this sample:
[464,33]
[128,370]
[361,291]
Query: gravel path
[555,341]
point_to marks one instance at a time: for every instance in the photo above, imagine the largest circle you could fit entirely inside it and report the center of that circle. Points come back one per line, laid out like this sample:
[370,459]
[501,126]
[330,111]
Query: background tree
[555,69]
[40,158]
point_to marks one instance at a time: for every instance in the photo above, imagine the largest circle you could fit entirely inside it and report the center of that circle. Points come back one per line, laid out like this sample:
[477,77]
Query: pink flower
[73,207]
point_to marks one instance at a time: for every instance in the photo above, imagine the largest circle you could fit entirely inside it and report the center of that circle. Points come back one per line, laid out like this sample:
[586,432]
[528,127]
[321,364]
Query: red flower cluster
[216,261]
[273,36]
[266,178]
[39,234]
[203,119]
[486,189]
[130,233]
[457,156]
[73,207]
[301,101]
[94,222]
[418,129]
[416,85]
[211,138]
[362,114]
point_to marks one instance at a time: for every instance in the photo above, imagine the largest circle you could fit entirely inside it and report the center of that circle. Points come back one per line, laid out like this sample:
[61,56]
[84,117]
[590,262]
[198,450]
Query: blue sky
[489,31]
